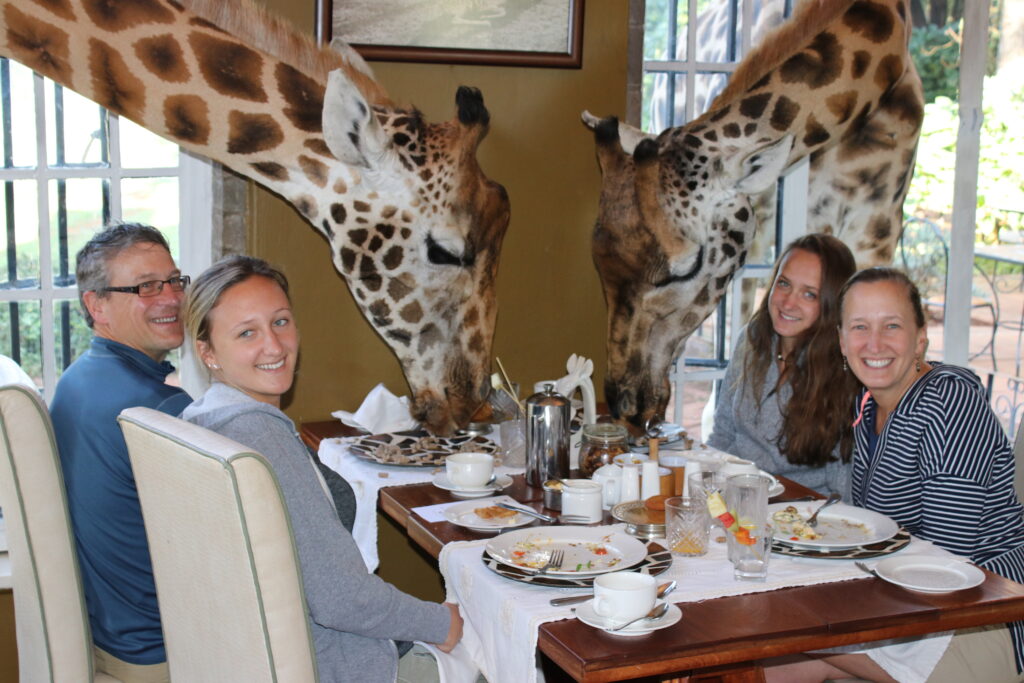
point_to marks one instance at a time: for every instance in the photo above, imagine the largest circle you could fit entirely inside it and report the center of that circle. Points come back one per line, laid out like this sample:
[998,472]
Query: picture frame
[538,33]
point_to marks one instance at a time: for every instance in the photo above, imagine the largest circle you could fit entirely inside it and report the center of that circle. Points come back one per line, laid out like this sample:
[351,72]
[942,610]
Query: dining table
[721,638]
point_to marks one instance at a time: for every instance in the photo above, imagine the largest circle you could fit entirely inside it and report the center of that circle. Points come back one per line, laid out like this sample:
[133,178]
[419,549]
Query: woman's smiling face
[794,304]
[254,343]
[881,339]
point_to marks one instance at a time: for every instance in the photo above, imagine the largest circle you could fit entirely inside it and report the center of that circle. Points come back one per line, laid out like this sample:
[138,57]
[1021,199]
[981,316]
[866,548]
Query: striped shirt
[943,469]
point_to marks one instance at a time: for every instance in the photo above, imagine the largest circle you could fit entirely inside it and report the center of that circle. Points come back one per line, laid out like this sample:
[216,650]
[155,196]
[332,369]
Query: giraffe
[835,84]
[414,225]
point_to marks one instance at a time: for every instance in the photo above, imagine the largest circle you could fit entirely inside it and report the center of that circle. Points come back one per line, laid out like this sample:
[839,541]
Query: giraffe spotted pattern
[414,225]
[834,84]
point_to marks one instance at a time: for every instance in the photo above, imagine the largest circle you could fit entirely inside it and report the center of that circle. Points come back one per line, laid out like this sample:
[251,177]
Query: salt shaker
[650,484]
[630,483]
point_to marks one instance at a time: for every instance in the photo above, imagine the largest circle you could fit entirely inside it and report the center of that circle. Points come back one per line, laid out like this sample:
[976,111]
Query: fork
[832,499]
[554,562]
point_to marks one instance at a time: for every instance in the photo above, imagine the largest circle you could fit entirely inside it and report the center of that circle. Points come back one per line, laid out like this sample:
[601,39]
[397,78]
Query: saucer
[500,482]
[588,616]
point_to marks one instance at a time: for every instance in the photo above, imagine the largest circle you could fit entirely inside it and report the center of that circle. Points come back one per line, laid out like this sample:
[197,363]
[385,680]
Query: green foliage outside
[1001,163]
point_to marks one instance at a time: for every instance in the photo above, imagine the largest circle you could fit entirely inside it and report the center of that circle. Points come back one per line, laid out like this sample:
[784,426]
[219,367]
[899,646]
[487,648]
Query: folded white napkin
[380,413]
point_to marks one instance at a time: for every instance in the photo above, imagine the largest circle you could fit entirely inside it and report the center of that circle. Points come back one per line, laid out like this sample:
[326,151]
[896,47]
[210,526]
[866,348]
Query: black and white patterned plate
[898,542]
[417,449]
[657,561]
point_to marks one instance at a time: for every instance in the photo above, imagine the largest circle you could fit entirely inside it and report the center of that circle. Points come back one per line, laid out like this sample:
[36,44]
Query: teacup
[734,465]
[469,470]
[622,596]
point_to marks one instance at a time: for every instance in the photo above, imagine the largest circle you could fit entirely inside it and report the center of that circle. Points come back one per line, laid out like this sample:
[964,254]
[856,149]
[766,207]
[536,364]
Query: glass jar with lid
[601,442]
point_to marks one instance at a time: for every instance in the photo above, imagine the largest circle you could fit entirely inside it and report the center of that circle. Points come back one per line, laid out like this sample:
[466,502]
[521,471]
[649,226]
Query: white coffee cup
[469,470]
[582,497]
[622,596]
[734,465]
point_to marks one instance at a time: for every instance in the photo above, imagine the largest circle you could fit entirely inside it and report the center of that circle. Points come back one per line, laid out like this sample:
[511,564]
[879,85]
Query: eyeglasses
[153,287]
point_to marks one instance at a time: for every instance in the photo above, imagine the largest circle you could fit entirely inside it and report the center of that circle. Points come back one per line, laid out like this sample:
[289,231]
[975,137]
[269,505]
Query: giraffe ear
[762,167]
[351,131]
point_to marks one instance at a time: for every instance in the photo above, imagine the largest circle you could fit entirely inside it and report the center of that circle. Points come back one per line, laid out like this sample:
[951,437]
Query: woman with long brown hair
[786,401]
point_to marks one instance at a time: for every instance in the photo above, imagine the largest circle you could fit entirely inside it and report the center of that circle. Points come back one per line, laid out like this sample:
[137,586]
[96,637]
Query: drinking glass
[749,552]
[512,434]
[747,498]
[687,524]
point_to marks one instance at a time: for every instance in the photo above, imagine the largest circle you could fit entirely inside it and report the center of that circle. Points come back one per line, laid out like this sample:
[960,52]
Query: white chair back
[224,559]
[54,640]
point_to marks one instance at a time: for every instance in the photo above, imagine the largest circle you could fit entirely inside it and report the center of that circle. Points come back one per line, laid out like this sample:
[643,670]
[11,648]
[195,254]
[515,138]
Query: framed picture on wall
[547,33]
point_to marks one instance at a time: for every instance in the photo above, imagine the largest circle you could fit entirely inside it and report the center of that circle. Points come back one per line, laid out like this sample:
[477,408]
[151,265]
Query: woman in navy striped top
[931,454]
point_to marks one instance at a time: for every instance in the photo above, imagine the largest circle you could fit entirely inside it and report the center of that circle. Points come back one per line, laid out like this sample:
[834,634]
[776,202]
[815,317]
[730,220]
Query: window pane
[23,117]
[70,333]
[76,214]
[76,129]
[19,241]
[706,89]
[142,149]
[20,335]
[153,201]
[656,29]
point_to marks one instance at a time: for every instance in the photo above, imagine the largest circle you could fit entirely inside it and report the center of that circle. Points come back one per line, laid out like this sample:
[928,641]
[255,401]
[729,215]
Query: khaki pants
[984,653]
[130,673]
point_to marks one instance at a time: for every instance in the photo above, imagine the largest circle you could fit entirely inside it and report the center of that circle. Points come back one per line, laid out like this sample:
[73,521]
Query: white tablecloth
[367,479]
[502,616]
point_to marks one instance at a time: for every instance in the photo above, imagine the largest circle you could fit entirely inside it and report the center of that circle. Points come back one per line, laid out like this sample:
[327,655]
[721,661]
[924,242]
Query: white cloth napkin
[502,616]
[380,412]
[367,479]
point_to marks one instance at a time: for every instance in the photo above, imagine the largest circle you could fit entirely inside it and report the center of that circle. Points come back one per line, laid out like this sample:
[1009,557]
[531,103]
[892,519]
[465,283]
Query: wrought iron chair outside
[923,254]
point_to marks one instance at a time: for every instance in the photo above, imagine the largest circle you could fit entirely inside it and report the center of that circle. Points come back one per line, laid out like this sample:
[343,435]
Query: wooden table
[721,639]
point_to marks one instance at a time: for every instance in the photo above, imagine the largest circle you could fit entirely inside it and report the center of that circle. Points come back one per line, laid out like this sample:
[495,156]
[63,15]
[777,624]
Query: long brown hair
[817,416]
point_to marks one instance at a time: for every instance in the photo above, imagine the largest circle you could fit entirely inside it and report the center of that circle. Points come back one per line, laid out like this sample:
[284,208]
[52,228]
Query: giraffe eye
[440,256]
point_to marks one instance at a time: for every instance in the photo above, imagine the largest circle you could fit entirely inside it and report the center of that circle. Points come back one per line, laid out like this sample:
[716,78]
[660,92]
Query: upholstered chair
[54,641]
[224,559]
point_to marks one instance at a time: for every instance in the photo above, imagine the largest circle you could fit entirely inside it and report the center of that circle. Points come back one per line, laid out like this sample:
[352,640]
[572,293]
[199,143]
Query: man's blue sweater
[112,550]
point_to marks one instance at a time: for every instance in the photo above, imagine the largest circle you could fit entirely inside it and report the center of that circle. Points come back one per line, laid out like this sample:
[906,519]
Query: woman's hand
[454,629]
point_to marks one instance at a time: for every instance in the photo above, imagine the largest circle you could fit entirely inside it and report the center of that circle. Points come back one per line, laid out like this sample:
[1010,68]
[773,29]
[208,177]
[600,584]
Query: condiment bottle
[601,443]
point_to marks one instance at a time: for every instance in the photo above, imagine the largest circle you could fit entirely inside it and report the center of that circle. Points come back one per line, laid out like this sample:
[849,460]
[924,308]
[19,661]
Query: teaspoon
[655,613]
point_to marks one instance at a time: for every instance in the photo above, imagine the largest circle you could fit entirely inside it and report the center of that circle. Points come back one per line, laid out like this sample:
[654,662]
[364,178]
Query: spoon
[833,498]
[655,613]
[663,590]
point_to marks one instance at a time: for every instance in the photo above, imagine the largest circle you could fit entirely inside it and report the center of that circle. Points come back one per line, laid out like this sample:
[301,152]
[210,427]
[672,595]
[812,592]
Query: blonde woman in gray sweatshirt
[239,317]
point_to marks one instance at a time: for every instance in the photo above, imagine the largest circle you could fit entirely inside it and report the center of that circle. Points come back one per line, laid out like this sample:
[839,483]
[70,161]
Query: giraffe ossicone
[414,225]
[834,84]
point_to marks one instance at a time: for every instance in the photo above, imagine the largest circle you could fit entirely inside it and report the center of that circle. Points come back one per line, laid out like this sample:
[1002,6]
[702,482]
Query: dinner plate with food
[486,515]
[929,574]
[586,550]
[498,483]
[588,616]
[839,526]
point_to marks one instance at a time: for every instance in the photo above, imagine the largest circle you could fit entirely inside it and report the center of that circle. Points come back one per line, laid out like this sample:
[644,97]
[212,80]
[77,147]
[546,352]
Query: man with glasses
[131,292]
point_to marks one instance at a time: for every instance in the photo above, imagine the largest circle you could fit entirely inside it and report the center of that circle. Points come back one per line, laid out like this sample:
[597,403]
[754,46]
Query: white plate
[776,488]
[929,574]
[464,515]
[588,550]
[840,526]
[588,616]
[500,482]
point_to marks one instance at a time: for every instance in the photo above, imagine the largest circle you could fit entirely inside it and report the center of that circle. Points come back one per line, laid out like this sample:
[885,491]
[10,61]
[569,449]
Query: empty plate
[929,574]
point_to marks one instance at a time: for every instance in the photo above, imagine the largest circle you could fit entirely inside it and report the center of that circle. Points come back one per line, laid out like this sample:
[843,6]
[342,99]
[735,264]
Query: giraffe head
[416,230]
[672,227]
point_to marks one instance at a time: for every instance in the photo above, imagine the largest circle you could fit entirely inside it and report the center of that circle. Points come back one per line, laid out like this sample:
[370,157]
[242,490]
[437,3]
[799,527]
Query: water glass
[687,523]
[749,552]
[512,435]
[746,495]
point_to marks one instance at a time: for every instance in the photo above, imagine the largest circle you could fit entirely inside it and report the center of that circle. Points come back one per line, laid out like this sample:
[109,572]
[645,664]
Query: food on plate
[388,453]
[656,502]
[793,524]
[494,512]
[581,556]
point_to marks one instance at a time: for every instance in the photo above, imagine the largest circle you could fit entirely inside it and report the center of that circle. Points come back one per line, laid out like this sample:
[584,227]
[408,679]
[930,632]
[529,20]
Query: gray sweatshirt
[355,616]
[749,426]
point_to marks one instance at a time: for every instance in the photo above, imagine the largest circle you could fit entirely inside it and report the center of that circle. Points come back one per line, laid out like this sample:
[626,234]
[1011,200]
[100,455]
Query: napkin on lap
[381,412]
